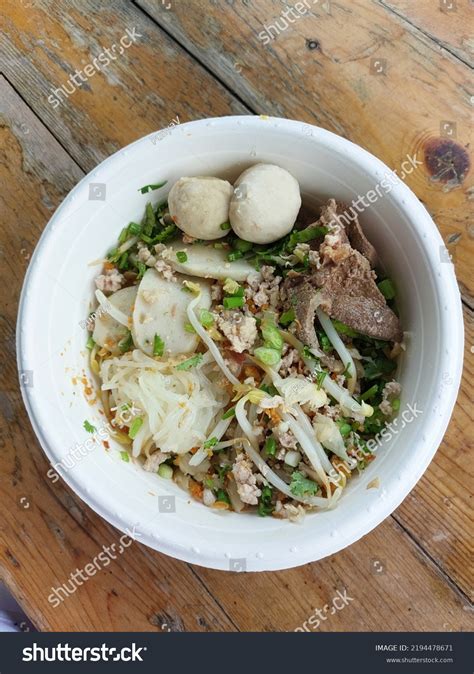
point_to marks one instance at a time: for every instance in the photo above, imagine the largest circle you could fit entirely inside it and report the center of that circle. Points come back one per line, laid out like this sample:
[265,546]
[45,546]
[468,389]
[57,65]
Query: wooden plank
[284,586]
[392,587]
[438,513]
[139,91]
[449,22]
[358,69]
[47,532]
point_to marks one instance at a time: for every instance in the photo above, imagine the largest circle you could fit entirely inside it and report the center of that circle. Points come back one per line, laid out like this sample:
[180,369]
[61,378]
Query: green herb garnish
[135,426]
[158,346]
[89,427]
[229,413]
[212,442]
[270,446]
[387,289]
[90,343]
[301,486]
[233,302]
[181,256]
[148,188]
[287,317]
[125,456]
[190,362]
[206,318]
[126,343]
[225,226]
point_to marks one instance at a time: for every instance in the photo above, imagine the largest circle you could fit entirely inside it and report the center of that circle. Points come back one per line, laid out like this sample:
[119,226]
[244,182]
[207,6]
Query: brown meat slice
[299,294]
[349,293]
[335,213]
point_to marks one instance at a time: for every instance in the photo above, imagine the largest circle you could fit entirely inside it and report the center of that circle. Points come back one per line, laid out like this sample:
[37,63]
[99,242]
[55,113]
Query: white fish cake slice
[209,262]
[107,331]
[160,309]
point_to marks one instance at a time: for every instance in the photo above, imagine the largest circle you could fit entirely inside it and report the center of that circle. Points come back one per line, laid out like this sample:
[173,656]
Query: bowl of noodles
[240,342]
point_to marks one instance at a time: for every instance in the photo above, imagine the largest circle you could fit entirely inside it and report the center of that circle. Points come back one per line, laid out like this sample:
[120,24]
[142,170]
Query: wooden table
[391,75]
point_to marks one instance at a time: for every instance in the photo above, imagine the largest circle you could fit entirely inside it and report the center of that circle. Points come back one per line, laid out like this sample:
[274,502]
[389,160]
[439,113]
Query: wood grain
[438,513]
[448,22]
[322,69]
[139,91]
[143,590]
[46,532]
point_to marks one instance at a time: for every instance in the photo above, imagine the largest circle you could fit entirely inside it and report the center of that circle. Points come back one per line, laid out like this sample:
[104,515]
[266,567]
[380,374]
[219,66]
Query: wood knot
[447,161]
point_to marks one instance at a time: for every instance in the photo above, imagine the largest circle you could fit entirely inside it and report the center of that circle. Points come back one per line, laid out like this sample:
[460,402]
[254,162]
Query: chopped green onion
[387,289]
[210,443]
[344,428]
[135,426]
[320,378]
[89,427]
[287,317]
[150,220]
[147,188]
[233,302]
[141,266]
[271,335]
[126,343]
[229,413]
[324,341]
[134,229]
[189,328]
[90,343]
[158,346]
[270,446]
[231,287]
[190,362]
[267,356]
[122,262]
[395,404]
[265,506]
[242,246]
[344,329]
[234,255]
[123,235]
[165,471]
[125,456]
[206,318]
[367,395]
[181,256]
[301,486]
[225,226]
[222,496]
[305,235]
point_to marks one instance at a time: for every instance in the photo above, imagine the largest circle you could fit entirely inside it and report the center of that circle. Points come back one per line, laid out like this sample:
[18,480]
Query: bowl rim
[446,285]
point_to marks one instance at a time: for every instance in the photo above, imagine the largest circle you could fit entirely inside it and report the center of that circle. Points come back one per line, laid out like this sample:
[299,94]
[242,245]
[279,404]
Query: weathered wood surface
[449,22]
[413,572]
[356,68]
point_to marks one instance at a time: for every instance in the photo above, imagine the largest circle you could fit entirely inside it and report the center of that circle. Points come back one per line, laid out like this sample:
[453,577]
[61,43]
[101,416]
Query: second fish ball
[200,205]
[265,203]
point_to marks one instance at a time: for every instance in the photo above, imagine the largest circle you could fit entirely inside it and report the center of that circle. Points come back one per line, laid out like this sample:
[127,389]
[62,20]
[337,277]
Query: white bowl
[57,293]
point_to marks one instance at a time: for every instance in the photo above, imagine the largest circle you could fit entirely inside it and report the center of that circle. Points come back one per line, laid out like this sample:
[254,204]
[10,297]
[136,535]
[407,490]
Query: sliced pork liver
[349,293]
[338,213]
[346,290]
